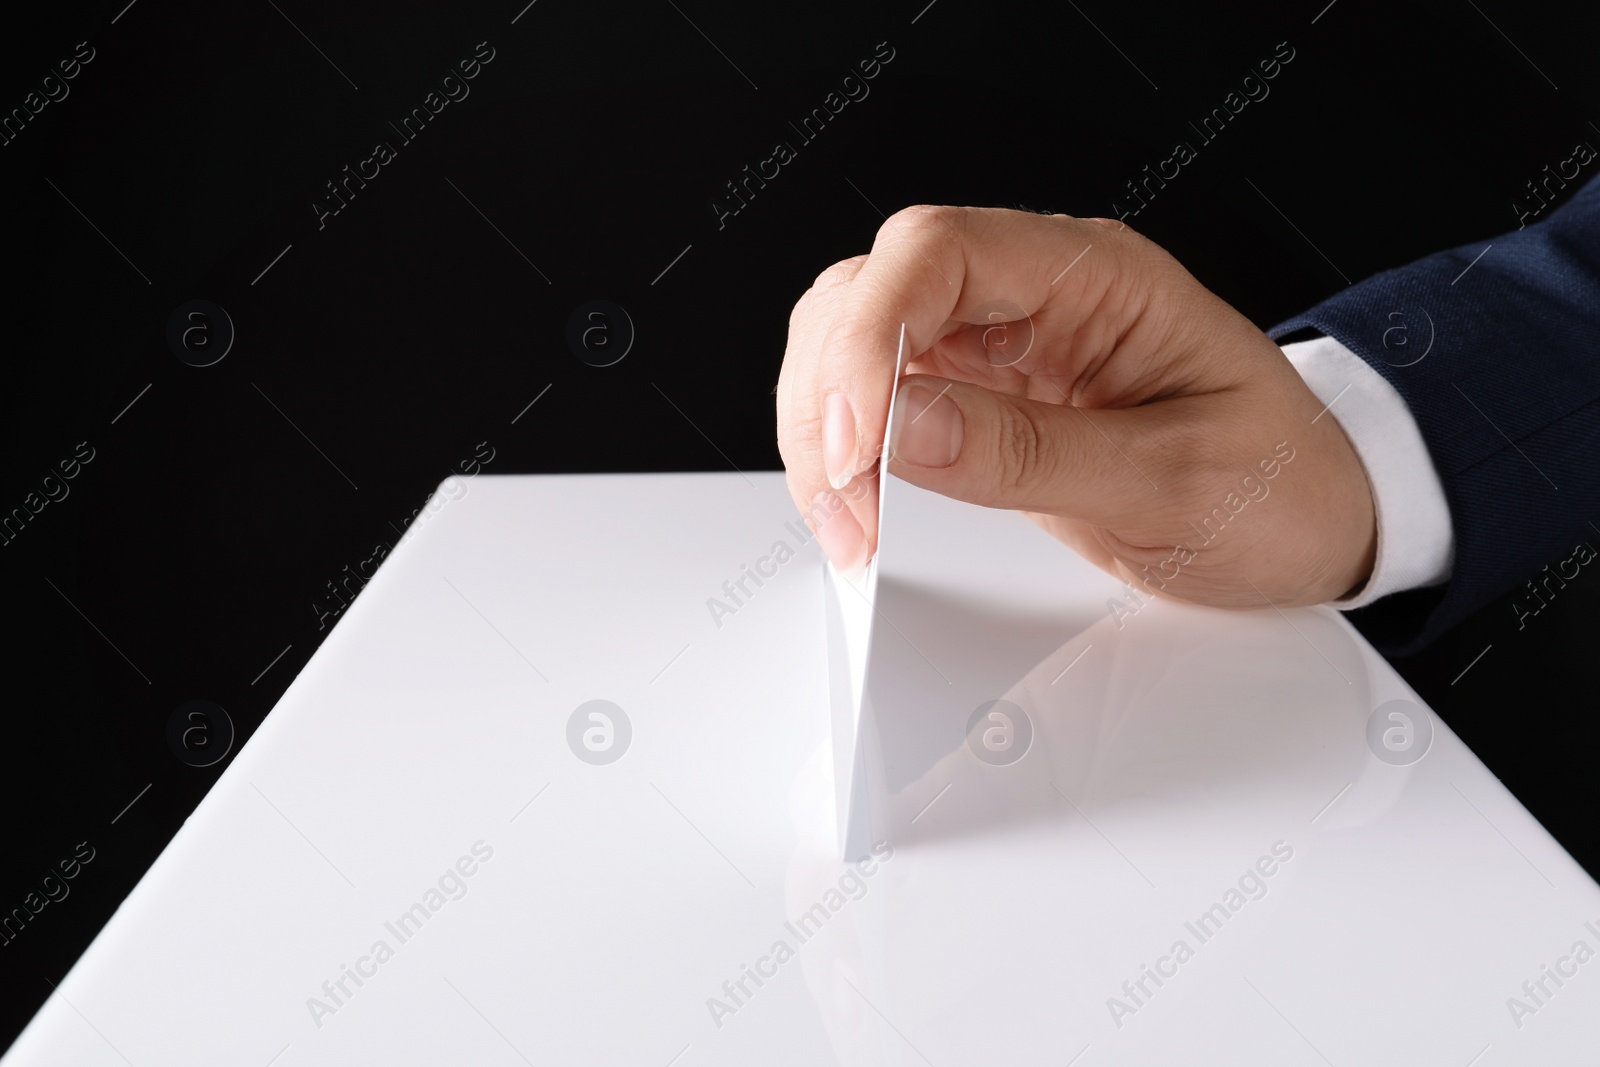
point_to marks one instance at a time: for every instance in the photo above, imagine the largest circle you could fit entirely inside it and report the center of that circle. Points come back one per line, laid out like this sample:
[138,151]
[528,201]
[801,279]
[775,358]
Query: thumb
[1002,451]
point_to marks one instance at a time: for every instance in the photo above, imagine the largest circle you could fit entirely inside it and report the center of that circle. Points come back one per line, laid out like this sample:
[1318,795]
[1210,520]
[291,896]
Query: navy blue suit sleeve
[1507,398]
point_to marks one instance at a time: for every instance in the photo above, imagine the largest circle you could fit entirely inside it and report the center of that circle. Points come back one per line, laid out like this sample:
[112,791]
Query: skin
[1179,397]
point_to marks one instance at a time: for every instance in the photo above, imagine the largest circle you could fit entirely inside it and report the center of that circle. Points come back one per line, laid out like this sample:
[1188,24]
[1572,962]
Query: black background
[410,327]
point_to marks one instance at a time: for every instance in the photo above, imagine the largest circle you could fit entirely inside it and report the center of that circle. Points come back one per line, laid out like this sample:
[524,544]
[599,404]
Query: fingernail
[839,534]
[927,430]
[840,452]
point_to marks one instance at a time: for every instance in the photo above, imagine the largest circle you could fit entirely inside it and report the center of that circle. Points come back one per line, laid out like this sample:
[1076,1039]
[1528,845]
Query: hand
[1072,370]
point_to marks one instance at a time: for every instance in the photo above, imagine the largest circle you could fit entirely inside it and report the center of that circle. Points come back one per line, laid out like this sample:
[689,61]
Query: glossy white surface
[1168,756]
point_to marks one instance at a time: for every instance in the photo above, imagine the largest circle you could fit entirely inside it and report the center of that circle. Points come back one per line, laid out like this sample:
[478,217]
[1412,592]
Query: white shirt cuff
[1416,540]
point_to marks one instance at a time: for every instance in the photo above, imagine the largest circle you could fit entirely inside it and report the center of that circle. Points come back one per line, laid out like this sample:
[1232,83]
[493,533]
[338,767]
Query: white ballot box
[559,788]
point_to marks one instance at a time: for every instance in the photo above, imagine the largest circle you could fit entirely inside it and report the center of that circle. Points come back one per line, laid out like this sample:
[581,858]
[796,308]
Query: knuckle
[839,273]
[1023,454]
[800,312]
[921,219]
[805,309]
[825,288]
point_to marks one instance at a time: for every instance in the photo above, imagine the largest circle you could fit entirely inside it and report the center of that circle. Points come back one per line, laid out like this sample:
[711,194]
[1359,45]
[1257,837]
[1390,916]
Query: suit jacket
[1497,354]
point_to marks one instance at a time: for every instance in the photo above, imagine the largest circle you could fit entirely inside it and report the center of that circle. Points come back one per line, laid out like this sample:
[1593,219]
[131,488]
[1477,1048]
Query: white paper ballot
[853,623]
